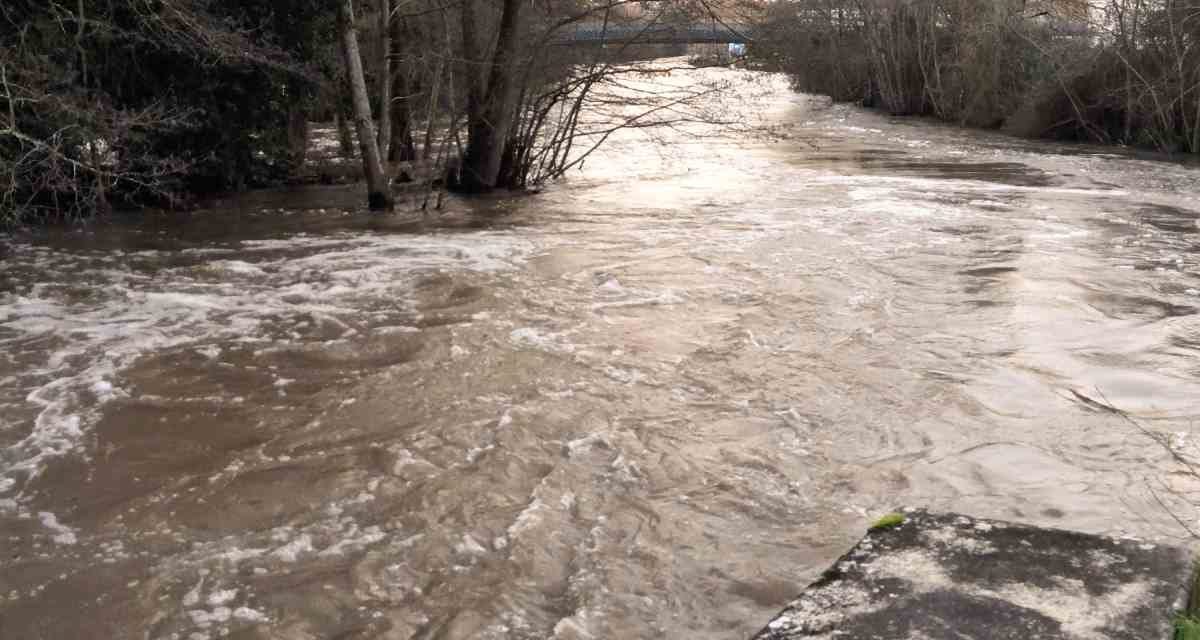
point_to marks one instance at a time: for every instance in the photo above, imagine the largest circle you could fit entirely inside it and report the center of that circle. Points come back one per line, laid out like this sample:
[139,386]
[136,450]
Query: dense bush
[134,102]
[1122,71]
[140,101]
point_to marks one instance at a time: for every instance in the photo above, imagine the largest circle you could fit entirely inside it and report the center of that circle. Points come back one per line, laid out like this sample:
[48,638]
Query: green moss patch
[1187,627]
[1187,623]
[894,520]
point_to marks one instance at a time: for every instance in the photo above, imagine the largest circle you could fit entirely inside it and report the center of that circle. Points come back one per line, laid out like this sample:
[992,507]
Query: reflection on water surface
[655,400]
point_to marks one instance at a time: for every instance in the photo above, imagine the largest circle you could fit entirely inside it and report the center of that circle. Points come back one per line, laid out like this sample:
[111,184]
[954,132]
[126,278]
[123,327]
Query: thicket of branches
[1113,71]
[104,104]
[135,102]
[493,91]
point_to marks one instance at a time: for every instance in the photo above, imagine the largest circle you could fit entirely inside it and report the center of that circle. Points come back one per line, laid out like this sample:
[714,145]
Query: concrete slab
[950,577]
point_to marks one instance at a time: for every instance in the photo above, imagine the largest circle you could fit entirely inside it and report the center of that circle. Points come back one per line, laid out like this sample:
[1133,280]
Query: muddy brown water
[652,401]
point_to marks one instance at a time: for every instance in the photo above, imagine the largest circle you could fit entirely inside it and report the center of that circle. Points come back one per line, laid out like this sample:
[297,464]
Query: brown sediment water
[654,400]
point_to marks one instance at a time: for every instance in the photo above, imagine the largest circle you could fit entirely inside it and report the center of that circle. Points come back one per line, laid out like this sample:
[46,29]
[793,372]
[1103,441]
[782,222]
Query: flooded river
[652,401]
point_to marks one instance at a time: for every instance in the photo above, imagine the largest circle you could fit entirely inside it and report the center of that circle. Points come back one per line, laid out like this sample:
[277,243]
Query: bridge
[586,33]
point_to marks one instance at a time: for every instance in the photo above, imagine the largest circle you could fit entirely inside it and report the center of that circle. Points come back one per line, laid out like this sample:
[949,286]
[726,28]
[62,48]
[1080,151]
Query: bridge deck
[709,33]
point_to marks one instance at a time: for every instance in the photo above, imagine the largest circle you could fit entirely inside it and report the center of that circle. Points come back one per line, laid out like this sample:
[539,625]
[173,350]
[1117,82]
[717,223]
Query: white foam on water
[667,298]
[239,555]
[292,551]
[88,340]
[246,614]
[236,266]
[204,619]
[354,539]
[63,534]
[541,339]
[212,352]
[528,517]
[574,627]
[221,597]
[584,444]
[470,546]
[611,286]
[192,597]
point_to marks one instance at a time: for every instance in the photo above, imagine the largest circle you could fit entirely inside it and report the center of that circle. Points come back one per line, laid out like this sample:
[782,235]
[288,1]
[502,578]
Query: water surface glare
[653,401]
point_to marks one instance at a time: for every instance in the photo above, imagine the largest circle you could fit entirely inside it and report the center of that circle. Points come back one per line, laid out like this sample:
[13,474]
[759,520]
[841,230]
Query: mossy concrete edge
[953,577]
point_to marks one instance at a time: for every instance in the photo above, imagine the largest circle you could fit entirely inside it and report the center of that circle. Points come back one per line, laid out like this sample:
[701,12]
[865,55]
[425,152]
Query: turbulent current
[654,400]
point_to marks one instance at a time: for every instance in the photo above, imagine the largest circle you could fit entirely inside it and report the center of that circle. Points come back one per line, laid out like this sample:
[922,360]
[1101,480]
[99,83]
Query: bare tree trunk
[434,95]
[442,71]
[297,138]
[490,123]
[341,120]
[385,78]
[472,79]
[1129,36]
[297,129]
[401,148]
[379,194]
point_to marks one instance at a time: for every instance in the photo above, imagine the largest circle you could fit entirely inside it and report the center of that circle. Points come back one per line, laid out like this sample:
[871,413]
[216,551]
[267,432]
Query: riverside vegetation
[1109,71]
[159,102]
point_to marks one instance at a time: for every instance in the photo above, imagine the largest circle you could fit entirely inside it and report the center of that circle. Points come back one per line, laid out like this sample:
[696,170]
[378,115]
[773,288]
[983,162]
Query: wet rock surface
[947,576]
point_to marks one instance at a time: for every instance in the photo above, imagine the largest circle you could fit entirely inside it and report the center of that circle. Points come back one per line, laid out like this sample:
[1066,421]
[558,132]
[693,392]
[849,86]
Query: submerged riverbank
[608,410]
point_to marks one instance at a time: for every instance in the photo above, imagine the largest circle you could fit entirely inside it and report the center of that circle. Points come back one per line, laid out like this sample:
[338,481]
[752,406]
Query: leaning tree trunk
[379,194]
[493,117]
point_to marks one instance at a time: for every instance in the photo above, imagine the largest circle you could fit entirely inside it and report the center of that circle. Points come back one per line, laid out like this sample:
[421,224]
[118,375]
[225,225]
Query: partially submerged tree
[491,96]
[526,95]
[130,102]
[379,196]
